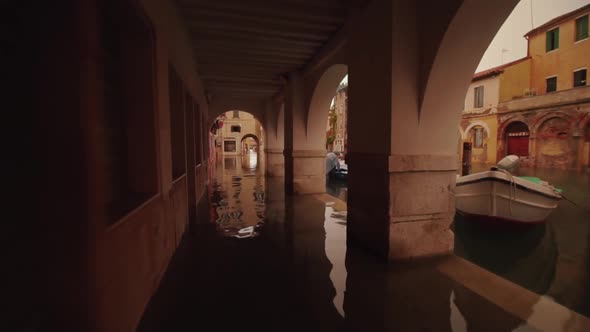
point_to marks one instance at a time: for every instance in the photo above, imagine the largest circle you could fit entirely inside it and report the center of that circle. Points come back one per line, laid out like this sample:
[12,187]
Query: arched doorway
[517,139]
[250,145]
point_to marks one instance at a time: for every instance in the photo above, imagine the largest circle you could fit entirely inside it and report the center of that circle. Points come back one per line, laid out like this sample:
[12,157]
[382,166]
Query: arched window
[517,139]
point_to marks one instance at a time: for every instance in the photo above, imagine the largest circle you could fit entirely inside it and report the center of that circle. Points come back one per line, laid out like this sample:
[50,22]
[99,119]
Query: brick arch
[508,122]
[585,123]
[540,120]
[502,143]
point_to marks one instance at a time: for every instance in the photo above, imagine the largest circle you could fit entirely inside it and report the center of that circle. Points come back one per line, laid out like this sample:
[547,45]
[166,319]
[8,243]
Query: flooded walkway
[264,261]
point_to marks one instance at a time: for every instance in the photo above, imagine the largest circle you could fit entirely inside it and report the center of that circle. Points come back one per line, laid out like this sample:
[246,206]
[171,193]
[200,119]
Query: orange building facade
[544,109]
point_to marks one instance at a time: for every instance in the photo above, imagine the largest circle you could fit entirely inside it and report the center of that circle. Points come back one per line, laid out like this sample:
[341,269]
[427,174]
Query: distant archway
[319,105]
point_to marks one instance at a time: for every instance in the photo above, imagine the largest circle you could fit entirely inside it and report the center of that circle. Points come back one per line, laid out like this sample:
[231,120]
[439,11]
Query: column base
[308,169]
[275,163]
[401,207]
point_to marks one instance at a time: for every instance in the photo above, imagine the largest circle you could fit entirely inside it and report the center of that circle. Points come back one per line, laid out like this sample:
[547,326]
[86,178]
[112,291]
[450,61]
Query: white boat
[499,195]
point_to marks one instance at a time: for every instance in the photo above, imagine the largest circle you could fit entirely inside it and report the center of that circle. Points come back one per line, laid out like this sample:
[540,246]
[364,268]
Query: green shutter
[582,28]
[548,41]
[556,38]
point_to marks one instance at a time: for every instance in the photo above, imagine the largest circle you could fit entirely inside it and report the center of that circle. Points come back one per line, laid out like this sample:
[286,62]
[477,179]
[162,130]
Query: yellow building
[479,124]
[240,133]
[544,110]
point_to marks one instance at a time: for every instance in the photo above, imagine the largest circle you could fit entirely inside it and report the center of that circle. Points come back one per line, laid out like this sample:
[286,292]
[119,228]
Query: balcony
[560,98]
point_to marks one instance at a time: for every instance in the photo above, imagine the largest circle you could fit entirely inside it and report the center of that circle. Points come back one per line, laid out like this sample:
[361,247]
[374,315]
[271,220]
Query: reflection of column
[311,263]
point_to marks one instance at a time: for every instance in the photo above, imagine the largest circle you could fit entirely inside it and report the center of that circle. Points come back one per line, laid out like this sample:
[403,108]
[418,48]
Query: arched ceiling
[244,47]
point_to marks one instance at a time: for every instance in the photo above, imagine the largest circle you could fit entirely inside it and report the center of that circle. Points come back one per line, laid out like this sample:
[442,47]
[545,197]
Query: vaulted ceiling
[244,46]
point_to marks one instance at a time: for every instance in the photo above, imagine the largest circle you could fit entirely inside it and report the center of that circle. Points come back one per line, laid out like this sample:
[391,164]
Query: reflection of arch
[319,105]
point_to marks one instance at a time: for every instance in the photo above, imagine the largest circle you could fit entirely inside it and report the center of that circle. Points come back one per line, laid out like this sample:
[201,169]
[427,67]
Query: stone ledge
[422,163]
[305,153]
[443,217]
[274,151]
[413,240]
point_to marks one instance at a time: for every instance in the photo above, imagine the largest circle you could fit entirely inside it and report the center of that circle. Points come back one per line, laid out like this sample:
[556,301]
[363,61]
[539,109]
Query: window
[478,96]
[229,146]
[552,40]
[582,28]
[236,129]
[130,163]
[580,77]
[478,138]
[551,84]
[177,122]
[236,115]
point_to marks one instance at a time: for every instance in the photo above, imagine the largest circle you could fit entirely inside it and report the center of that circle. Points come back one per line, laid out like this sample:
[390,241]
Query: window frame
[230,141]
[547,50]
[574,77]
[576,28]
[478,131]
[546,85]
[231,128]
[475,96]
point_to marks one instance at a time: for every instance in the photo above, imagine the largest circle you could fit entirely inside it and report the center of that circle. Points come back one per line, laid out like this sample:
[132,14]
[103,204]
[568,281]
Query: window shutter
[556,38]
[548,41]
[583,28]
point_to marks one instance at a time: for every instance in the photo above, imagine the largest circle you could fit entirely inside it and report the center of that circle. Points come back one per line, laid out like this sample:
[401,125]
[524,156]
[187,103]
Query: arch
[504,124]
[541,120]
[475,124]
[585,123]
[252,136]
[217,108]
[319,105]
[517,139]
[461,132]
[456,57]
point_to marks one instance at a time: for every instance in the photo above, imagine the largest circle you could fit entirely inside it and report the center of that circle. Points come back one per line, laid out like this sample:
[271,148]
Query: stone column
[275,140]
[402,168]
[304,165]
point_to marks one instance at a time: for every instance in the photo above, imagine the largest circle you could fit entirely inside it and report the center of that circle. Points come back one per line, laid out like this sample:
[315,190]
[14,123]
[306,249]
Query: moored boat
[499,195]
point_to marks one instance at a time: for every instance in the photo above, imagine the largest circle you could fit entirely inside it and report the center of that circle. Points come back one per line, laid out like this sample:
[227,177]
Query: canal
[552,259]
[263,260]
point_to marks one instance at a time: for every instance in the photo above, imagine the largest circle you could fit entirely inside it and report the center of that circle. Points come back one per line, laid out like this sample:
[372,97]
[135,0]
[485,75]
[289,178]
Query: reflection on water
[296,273]
[335,226]
[552,258]
[237,197]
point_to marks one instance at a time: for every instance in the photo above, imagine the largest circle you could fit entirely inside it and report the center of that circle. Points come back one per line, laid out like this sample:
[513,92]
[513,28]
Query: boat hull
[502,197]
